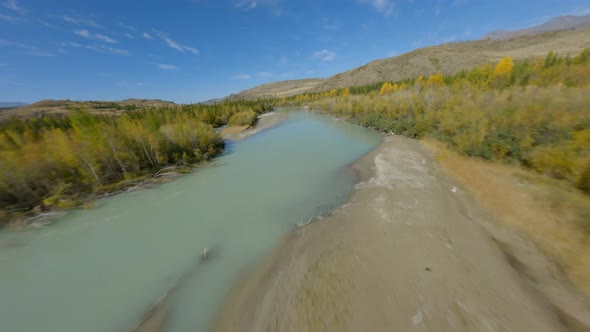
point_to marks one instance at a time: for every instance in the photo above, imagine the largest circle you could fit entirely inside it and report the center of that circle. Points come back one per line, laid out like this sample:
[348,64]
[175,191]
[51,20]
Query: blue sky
[193,50]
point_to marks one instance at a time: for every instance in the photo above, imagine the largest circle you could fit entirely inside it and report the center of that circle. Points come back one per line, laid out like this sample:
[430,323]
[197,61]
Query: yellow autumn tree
[419,80]
[504,67]
[345,92]
[333,93]
[386,88]
[435,80]
[502,72]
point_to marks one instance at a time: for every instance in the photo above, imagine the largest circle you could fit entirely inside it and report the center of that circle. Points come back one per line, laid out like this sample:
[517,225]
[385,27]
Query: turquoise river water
[100,269]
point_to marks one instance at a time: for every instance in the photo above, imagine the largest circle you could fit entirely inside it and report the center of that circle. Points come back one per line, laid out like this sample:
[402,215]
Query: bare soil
[264,121]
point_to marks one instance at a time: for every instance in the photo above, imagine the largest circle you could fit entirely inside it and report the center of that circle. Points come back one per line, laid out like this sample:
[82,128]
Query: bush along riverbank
[534,113]
[61,162]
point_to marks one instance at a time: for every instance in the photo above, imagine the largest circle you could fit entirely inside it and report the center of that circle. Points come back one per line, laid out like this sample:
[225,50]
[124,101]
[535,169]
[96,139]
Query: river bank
[264,121]
[411,251]
[42,216]
[150,243]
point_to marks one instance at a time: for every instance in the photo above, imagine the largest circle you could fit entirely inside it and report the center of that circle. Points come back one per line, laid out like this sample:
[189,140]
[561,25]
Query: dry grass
[233,130]
[453,57]
[279,89]
[552,213]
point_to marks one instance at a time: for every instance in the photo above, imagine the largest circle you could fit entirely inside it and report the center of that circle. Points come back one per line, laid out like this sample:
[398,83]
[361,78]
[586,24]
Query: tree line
[534,112]
[64,161]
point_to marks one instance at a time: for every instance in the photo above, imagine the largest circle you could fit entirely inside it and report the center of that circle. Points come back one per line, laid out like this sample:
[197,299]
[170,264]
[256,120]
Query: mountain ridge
[568,22]
[449,58]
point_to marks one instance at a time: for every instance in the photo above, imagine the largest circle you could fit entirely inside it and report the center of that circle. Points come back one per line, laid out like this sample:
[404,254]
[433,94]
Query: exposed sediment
[410,252]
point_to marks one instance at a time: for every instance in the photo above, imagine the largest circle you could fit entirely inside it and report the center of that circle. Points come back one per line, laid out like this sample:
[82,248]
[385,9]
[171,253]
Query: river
[100,269]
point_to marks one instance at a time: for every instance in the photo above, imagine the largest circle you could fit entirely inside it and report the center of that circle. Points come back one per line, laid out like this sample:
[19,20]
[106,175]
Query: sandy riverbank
[264,121]
[411,251]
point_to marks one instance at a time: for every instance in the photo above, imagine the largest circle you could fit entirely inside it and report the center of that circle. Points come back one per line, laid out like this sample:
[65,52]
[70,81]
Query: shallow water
[99,270]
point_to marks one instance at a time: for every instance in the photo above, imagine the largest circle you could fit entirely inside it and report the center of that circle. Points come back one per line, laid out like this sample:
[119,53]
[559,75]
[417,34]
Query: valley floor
[412,251]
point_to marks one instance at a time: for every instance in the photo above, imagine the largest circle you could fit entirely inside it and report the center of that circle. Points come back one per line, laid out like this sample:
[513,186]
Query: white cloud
[324,55]
[83,33]
[246,4]
[172,44]
[30,50]
[98,48]
[147,36]
[12,5]
[86,34]
[128,35]
[192,50]
[128,27]
[385,7]
[166,67]
[273,6]
[242,77]
[110,50]
[284,60]
[264,74]
[175,45]
[392,53]
[104,38]
[81,20]
[7,18]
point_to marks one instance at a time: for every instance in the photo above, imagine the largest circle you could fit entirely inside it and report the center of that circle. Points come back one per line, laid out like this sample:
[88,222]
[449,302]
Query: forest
[534,112]
[67,161]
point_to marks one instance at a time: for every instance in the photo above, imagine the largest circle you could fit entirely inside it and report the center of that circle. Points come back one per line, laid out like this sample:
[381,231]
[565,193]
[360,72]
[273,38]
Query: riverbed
[102,269]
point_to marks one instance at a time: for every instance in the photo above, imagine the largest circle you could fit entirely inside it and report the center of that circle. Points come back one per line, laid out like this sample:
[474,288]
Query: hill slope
[556,24]
[279,89]
[454,57]
[64,106]
[573,36]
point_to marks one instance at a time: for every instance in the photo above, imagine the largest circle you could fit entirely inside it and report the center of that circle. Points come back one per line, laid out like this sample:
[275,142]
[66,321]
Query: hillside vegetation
[65,161]
[454,57]
[531,112]
[279,89]
[61,107]
[448,59]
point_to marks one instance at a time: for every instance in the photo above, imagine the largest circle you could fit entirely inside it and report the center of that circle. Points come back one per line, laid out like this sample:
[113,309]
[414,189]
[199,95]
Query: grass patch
[554,214]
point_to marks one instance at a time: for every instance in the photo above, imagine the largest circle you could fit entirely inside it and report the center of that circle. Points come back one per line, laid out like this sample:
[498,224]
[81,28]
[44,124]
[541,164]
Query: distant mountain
[65,106]
[279,89]
[453,57]
[11,104]
[556,24]
[447,58]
